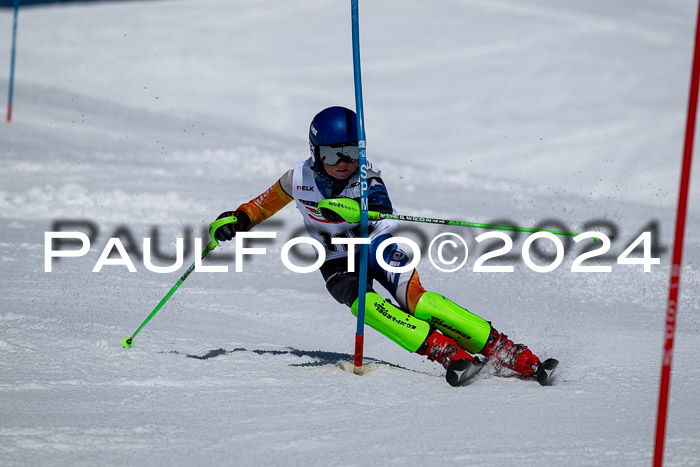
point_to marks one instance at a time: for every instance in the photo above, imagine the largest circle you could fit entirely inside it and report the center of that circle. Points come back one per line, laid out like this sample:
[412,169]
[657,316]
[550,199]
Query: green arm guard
[347,208]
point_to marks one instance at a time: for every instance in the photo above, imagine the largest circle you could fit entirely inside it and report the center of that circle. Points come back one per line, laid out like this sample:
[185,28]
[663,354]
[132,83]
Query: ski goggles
[335,153]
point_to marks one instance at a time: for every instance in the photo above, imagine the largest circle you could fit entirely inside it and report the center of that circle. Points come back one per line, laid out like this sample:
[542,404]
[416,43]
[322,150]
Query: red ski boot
[460,365]
[517,357]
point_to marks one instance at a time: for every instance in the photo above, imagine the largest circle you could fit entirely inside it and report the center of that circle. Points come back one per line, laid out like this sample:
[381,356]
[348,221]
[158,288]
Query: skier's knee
[343,287]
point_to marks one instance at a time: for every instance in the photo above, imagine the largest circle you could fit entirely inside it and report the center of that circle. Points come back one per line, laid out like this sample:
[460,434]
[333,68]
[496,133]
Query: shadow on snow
[322,357]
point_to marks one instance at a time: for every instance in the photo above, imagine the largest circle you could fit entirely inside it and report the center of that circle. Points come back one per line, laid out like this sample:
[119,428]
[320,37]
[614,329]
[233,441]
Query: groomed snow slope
[160,115]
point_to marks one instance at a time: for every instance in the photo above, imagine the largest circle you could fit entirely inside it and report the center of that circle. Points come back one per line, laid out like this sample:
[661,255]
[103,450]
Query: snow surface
[161,115]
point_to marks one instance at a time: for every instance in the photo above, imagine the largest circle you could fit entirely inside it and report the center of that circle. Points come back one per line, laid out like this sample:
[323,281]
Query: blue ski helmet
[332,126]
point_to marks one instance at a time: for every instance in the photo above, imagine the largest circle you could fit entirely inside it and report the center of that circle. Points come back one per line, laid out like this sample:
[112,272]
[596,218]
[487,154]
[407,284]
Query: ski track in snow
[157,116]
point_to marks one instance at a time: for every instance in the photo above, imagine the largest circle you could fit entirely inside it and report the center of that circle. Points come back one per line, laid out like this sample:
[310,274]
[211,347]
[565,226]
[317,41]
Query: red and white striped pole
[672,307]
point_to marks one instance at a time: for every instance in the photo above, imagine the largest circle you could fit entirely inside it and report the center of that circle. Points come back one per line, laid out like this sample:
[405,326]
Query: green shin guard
[399,326]
[470,331]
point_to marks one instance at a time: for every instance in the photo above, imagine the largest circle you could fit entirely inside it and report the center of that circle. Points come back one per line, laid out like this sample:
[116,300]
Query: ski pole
[373,215]
[349,210]
[127,341]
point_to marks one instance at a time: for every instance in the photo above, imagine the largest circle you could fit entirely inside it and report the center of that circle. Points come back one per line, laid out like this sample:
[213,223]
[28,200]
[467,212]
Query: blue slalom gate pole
[364,251]
[12,63]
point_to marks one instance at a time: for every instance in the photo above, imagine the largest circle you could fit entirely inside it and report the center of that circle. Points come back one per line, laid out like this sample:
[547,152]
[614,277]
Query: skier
[423,322]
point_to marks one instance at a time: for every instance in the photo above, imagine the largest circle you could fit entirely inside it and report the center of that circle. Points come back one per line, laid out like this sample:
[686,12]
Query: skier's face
[341,170]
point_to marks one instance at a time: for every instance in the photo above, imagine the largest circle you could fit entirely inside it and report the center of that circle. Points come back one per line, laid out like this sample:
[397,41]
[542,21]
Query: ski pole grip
[214,226]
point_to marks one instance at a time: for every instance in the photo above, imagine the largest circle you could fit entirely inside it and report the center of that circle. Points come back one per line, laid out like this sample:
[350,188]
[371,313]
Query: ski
[462,372]
[545,370]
